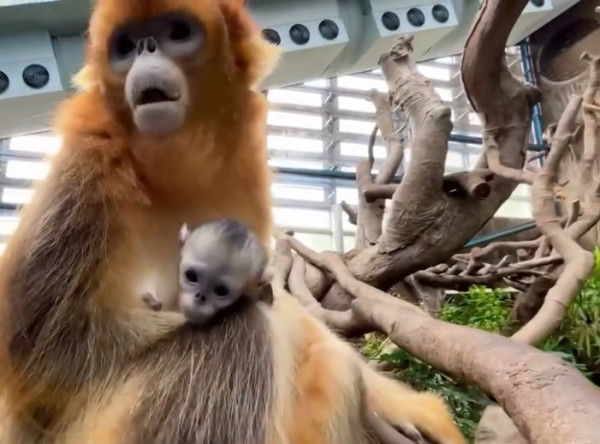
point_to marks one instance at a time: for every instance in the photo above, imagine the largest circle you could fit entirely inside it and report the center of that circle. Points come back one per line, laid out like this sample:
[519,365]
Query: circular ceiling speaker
[271,36]
[299,34]
[4,82]
[415,17]
[36,76]
[329,29]
[440,13]
[390,21]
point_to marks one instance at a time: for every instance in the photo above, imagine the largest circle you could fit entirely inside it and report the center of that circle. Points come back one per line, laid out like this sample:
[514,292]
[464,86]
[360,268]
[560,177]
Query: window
[46,144]
[318,242]
[294,144]
[318,83]
[17,196]
[444,93]
[354,104]
[302,218]
[308,121]
[295,163]
[361,150]
[349,243]
[23,169]
[8,225]
[434,72]
[302,136]
[362,83]
[347,194]
[356,126]
[294,97]
[519,209]
[455,159]
[291,192]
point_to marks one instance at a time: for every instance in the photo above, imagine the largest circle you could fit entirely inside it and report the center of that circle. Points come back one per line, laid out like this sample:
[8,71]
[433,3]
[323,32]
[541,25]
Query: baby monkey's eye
[192,276]
[221,290]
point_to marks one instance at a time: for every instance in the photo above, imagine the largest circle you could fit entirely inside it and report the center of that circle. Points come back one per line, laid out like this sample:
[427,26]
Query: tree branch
[537,390]
[410,211]
[495,165]
[393,140]
[578,262]
[426,226]
[539,385]
[350,212]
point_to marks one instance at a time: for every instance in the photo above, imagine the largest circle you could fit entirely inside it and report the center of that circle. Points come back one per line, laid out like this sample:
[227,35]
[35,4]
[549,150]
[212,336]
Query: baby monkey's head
[222,261]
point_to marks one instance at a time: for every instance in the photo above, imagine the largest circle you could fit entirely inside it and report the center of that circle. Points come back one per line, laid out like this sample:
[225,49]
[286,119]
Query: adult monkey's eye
[180,30]
[124,45]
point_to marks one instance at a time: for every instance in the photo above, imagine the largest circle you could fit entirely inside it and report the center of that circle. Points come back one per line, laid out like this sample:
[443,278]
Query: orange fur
[80,354]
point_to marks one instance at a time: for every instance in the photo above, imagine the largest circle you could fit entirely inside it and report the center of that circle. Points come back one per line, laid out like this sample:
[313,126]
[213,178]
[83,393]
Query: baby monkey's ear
[264,286]
[259,289]
[266,294]
[184,233]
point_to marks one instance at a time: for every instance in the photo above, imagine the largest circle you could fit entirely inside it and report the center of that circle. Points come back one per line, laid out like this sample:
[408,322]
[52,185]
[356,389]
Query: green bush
[577,341]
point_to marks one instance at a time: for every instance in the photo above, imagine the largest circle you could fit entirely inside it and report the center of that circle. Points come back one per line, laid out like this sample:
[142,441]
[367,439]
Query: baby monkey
[222,265]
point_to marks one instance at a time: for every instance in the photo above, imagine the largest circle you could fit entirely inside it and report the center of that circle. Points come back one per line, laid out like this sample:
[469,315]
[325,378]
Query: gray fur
[220,255]
[225,398]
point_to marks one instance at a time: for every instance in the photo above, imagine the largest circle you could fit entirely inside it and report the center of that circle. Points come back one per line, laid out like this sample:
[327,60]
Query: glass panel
[318,83]
[318,242]
[308,121]
[515,208]
[349,242]
[294,163]
[294,144]
[434,72]
[444,93]
[8,225]
[348,194]
[354,104]
[455,159]
[22,169]
[304,218]
[361,150]
[291,192]
[294,97]
[522,190]
[47,144]
[356,126]
[17,196]
[362,83]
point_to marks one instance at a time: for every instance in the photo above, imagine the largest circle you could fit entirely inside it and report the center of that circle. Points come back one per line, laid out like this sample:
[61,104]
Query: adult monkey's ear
[253,56]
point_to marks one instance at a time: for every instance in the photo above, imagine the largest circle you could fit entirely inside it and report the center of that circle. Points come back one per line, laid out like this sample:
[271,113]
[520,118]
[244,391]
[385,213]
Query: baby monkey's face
[206,290]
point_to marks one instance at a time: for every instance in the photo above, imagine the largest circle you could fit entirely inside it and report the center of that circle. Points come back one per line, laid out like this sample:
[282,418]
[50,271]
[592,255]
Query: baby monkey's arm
[151,301]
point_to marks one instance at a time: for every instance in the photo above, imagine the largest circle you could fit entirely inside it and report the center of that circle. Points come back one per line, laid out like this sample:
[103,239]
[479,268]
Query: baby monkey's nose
[200,297]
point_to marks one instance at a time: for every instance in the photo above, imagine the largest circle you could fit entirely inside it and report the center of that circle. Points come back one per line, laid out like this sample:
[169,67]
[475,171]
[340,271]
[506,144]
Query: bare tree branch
[350,212]
[481,252]
[345,322]
[491,276]
[426,226]
[471,183]
[537,390]
[495,165]
[392,139]
[410,212]
[578,262]
[539,386]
